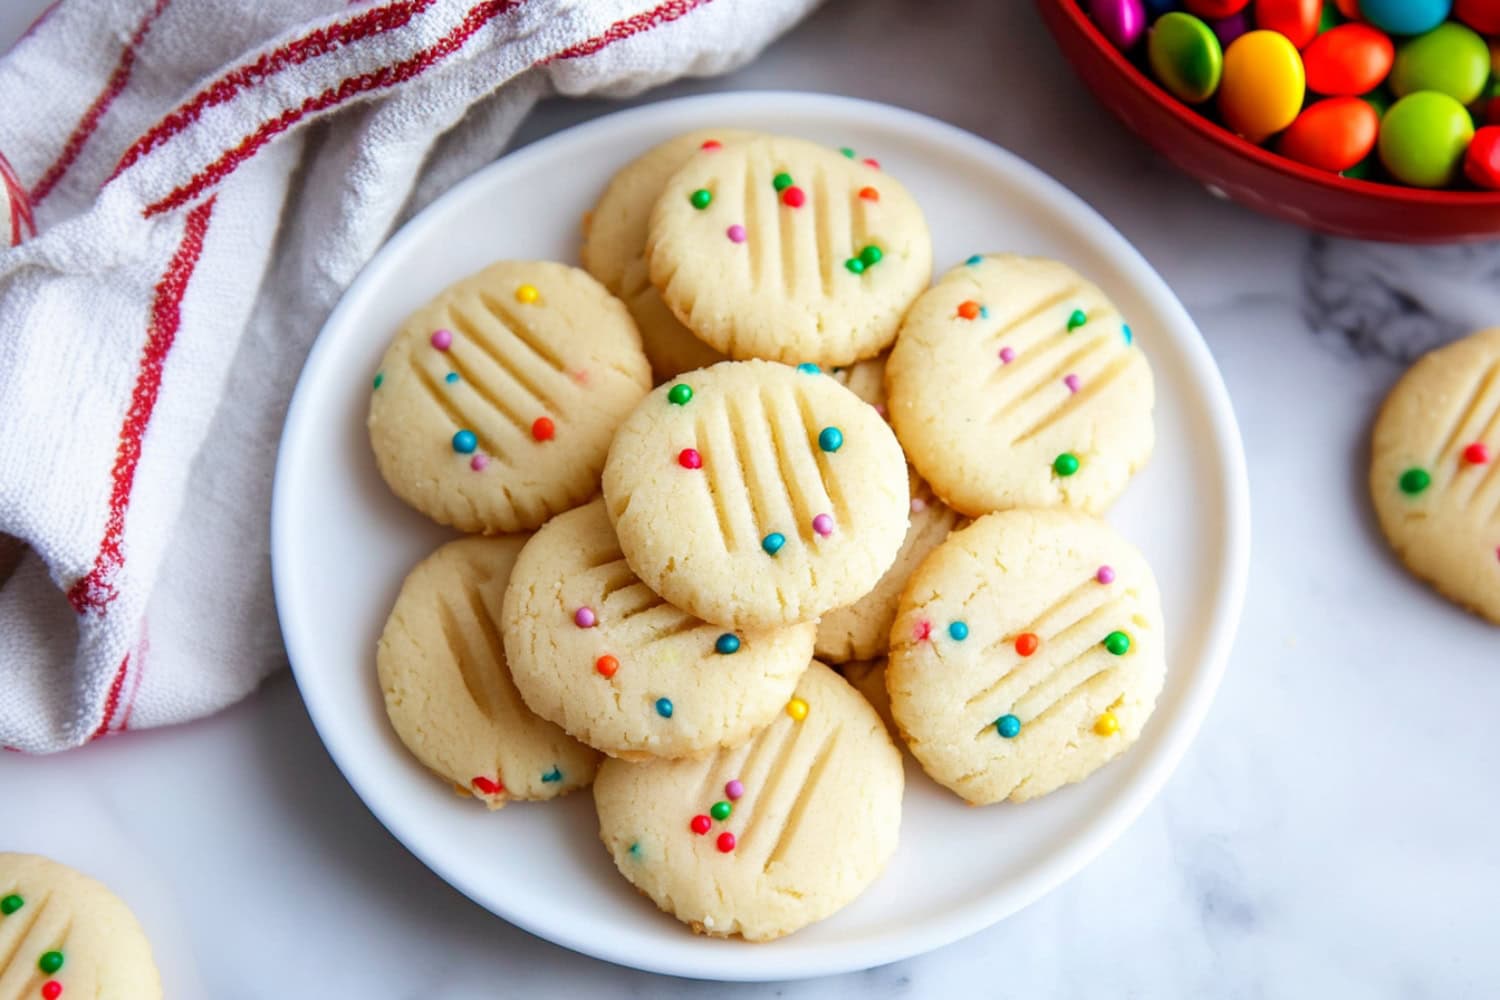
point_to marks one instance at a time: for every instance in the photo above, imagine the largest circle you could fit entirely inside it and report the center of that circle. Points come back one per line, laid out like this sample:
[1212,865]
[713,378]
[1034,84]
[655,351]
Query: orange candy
[1296,19]
[1333,134]
[1348,60]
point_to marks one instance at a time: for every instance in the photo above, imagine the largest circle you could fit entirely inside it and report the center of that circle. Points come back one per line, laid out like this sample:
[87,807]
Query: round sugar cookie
[771,836]
[448,688]
[596,651]
[614,247]
[1027,653]
[1435,471]
[868,678]
[753,494]
[782,249]
[494,405]
[62,934]
[1015,383]
[860,631]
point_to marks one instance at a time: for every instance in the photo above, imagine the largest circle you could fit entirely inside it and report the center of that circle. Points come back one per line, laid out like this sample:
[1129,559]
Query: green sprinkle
[781,181]
[871,255]
[1117,643]
[635,849]
[680,394]
[701,198]
[855,265]
[1076,320]
[721,810]
[51,961]
[10,904]
[1065,464]
[1414,481]
[379,378]
[847,151]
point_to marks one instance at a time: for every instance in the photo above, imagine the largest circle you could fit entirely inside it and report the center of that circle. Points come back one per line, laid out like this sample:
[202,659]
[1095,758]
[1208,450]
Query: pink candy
[1122,21]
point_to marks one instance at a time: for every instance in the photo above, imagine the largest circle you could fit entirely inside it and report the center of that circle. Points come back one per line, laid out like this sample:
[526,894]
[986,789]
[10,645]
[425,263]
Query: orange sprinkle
[968,309]
[542,429]
[1026,643]
[869,194]
[606,665]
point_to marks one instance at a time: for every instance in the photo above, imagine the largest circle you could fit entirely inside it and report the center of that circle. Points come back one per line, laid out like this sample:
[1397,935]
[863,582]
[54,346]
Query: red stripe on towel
[626,27]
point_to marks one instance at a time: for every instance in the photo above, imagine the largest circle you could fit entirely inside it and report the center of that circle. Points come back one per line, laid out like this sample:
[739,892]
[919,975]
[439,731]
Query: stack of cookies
[838,465]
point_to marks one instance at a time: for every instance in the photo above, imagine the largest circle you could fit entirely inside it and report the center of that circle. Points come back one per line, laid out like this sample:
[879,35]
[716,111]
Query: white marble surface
[1331,833]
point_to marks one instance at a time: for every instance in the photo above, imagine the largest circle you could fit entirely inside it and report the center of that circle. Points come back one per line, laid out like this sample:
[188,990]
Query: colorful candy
[1482,161]
[1349,60]
[1333,134]
[1450,59]
[1481,15]
[797,709]
[1186,56]
[1405,17]
[1414,481]
[1122,21]
[1216,8]
[1423,138]
[1263,85]
[1296,19]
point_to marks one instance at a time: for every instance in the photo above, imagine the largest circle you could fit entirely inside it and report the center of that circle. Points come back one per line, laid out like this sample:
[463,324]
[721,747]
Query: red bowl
[1259,178]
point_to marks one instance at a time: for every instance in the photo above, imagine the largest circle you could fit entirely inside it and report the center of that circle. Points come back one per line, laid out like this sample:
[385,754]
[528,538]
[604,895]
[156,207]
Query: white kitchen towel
[206,177]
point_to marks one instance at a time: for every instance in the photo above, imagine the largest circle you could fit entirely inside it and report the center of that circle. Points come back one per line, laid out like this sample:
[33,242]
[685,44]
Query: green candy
[1186,56]
[1450,59]
[1423,138]
[781,181]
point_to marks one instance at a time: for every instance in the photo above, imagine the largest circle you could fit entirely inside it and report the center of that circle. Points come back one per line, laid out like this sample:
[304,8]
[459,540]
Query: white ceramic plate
[341,544]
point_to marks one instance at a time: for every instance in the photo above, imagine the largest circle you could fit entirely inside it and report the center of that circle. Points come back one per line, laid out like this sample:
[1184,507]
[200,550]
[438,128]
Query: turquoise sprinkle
[830,439]
[552,775]
[635,849]
[451,377]
[974,260]
[464,442]
[772,543]
[1008,726]
[1129,337]
[727,644]
[664,707]
[959,631]
[984,312]
[808,368]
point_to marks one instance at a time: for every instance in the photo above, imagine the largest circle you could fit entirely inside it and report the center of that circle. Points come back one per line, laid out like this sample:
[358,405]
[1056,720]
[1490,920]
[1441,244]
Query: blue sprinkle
[808,368]
[552,775]
[464,442]
[830,439]
[451,377]
[772,543]
[727,643]
[959,630]
[974,260]
[1008,726]
[1129,337]
[664,707]
[984,312]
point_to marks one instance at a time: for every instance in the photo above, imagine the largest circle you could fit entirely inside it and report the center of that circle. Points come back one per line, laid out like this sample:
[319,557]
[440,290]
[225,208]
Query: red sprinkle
[606,665]
[701,824]
[923,631]
[51,989]
[485,786]
[712,144]
[1026,643]
[869,194]
[543,429]
[968,309]
[872,162]
[689,458]
[1476,453]
[794,197]
[726,842]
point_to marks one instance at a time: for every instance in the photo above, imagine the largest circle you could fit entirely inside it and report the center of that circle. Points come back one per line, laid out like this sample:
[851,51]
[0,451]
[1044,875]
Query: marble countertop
[1331,832]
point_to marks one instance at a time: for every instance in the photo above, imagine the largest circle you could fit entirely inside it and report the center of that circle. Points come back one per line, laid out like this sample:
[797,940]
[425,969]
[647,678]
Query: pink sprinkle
[581,376]
[478,462]
[918,505]
[923,631]
[734,789]
[1071,381]
[872,162]
[1007,355]
[880,408]
[584,618]
[823,525]
[442,339]
[736,233]
[1105,575]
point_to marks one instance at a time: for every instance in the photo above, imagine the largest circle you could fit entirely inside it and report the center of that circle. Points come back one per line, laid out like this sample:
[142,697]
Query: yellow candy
[527,294]
[1107,724]
[797,709]
[1263,84]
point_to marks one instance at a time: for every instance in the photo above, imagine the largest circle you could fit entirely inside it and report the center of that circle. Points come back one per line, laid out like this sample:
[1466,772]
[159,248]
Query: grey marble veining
[1330,834]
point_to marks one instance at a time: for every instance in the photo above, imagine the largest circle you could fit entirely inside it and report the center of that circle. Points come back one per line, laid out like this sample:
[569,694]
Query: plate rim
[1081,848]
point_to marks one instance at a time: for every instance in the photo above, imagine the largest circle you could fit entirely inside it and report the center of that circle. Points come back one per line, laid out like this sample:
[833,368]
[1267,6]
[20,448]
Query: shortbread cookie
[753,494]
[448,689]
[1027,653]
[1015,383]
[1435,471]
[62,934]
[766,838]
[596,651]
[494,406]
[781,249]
[868,678]
[861,630]
[614,247]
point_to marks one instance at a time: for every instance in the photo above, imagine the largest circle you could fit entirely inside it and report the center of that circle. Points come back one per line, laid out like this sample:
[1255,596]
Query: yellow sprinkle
[797,709]
[1107,724]
[527,294]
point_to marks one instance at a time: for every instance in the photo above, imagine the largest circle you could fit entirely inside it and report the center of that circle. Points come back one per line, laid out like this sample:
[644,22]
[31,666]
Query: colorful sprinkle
[553,776]
[830,439]
[727,644]
[701,198]
[808,368]
[1476,453]
[918,505]
[527,294]
[870,161]
[847,151]
[543,429]
[871,255]
[781,181]
[379,379]
[1117,643]
[721,810]
[584,617]
[451,377]
[797,709]
[709,145]
[484,786]
[1007,355]
[606,665]
[701,824]
[1106,575]
[1126,332]
[1077,319]
[984,312]
[794,197]
[1026,643]
[442,339]
[10,904]
[664,707]
[822,525]
[736,233]
[922,631]
[734,789]
[479,463]
[773,542]
[689,458]
[725,843]
[958,631]
[869,194]
[1071,381]
[464,442]
[1008,726]
[635,848]
[974,260]
[680,394]
[1414,481]
[51,990]
[1107,724]
[968,309]
[1065,464]
[855,265]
